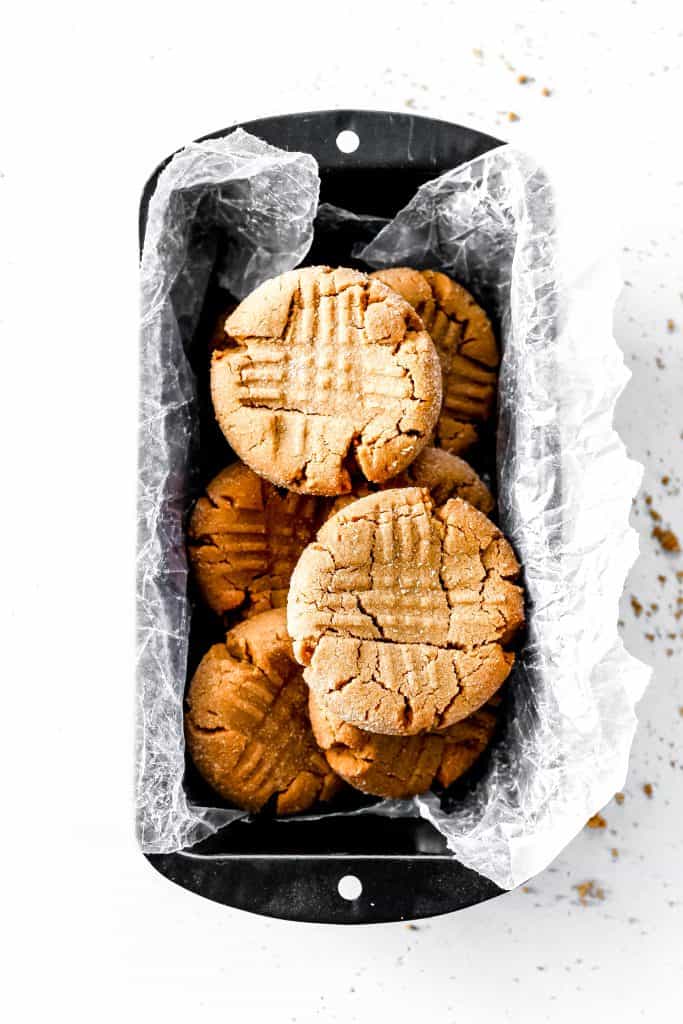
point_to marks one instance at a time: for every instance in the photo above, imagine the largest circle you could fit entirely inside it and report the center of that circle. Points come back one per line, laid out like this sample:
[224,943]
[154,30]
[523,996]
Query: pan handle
[331,889]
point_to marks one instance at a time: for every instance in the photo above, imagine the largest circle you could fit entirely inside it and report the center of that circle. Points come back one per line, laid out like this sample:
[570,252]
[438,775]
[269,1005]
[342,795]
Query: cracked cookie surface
[403,614]
[246,724]
[444,475]
[244,538]
[320,370]
[464,339]
[401,766]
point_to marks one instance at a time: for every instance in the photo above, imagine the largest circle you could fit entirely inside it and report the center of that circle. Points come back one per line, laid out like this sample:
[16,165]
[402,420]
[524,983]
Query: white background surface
[93,97]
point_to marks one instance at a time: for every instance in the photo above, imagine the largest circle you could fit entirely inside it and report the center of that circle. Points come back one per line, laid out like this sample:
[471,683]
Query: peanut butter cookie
[244,538]
[401,766]
[464,339]
[444,475]
[247,725]
[320,369]
[403,614]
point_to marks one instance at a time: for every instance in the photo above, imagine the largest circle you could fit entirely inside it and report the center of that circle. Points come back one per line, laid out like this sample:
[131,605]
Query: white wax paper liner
[530,248]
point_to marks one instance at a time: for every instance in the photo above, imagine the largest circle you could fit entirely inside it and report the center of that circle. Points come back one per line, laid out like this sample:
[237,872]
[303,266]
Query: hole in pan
[347,141]
[349,887]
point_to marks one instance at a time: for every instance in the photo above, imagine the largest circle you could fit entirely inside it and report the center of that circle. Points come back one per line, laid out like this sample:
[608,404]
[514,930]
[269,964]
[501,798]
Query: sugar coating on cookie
[464,339]
[403,614]
[320,371]
[247,725]
[244,538]
[444,475]
[401,766]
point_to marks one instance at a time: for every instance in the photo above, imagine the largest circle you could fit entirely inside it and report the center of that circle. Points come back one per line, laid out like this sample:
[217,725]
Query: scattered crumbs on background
[589,893]
[512,116]
[596,821]
[648,790]
[619,797]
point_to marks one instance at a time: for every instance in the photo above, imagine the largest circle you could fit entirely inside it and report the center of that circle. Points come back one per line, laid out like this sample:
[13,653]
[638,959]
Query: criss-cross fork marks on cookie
[244,539]
[324,362]
[321,367]
[403,615]
[247,724]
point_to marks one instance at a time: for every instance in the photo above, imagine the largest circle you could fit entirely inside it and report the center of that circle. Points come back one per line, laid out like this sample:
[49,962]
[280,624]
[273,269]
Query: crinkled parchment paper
[530,251]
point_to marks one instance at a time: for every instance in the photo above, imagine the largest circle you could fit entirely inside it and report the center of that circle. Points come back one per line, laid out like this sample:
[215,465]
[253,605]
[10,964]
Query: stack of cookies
[376,604]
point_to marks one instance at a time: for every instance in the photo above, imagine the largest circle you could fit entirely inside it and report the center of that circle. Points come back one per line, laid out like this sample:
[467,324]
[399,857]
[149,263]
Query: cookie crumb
[589,891]
[662,579]
[527,888]
[665,479]
[637,606]
[654,606]
[523,79]
[648,790]
[412,927]
[477,52]
[648,499]
[667,539]
[655,515]
[410,103]
[596,821]
[545,91]
[614,852]
[670,325]
[619,797]
[650,637]
[669,652]
[512,116]
[680,710]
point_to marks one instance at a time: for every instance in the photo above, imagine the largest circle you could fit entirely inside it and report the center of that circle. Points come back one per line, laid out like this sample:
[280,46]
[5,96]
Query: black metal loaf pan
[291,868]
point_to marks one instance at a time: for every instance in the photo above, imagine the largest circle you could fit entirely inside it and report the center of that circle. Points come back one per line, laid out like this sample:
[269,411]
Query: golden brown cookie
[444,475]
[464,339]
[401,766]
[244,538]
[322,369]
[403,614]
[247,725]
